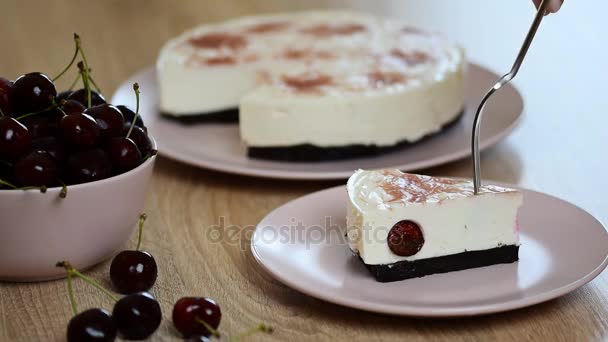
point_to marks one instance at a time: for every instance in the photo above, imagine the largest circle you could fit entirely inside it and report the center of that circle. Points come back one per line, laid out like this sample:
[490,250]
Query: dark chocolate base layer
[312,153]
[223,116]
[419,268]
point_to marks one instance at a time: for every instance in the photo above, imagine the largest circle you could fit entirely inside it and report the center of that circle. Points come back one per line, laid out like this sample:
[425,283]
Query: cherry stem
[52,106]
[136,90]
[75,81]
[142,220]
[1,113]
[64,189]
[94,84]
[86,69]
[212,330]
[5,183]
[74,272]
[41,188]
[85,81]
[259,328]
[76,38]
[150,155]
[71,295]
[25,188]
[62,111]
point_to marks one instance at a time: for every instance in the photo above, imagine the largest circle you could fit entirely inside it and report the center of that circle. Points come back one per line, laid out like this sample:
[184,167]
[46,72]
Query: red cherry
[79,130]
[15,139]
[32,92]
[124,154]
[189,310]
[137,316]
[133,271]
[80,95]
[37,125]
[38,168]
[92,325]
[141,139]
[109,119]
[405,238]
[72,107]
[53,147]
[6,88]
[88,166]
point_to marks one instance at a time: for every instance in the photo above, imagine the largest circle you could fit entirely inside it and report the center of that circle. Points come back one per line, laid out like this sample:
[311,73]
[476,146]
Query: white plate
[302,244]
[218,146]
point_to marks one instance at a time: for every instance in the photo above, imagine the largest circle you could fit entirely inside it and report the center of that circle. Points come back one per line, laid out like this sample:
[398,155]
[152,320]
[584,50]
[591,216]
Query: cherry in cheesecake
[6,89]
[80,95]
[134,271]
[79,130]
[92,325]
[109,119]
[15,138]
[137,316]
[88,166]
[38,168]
[405,238]
[32,92]
[196,316]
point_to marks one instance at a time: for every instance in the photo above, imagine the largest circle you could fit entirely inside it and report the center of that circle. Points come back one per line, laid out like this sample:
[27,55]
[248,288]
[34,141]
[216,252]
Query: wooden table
[560,148]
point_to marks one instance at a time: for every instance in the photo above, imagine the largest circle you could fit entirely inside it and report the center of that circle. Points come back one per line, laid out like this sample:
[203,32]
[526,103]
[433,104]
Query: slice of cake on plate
[404,225]
[315,85]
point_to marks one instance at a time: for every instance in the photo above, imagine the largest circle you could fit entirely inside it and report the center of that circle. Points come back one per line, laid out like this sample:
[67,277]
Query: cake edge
[405,269]
[313,153]
[228,116]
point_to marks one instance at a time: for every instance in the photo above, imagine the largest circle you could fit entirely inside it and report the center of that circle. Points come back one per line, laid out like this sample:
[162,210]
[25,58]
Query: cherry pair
[134,317]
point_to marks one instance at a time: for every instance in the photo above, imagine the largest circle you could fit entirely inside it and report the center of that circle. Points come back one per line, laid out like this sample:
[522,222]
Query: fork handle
[542,10]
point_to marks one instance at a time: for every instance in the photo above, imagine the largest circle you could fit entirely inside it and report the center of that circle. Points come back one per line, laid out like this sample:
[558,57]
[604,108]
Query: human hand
[554,5]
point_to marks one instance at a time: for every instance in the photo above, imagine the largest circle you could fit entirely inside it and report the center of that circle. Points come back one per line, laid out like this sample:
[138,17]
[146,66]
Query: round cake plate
[218,146]
[302,244]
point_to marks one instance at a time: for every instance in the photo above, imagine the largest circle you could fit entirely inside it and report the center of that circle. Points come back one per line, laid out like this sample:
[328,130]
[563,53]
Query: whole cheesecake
[404,225]
[314,85]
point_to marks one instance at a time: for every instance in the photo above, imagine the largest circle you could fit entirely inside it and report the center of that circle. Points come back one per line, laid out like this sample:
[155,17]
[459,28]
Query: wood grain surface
[560,148]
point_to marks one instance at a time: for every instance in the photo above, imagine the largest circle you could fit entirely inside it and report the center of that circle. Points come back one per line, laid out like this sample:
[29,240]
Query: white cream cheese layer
[452,219]
[330,78]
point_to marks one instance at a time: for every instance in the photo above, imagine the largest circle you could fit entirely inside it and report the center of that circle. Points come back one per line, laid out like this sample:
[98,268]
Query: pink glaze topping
[413,188]
[326,30]
[268,27]
[306,82]
[217,40]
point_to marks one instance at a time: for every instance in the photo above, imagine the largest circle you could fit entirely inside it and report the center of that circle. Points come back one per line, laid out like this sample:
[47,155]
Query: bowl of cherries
[74,171]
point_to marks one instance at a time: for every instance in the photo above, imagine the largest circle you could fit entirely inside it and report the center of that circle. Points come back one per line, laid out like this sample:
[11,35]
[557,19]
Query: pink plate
[302,244]
[218,146]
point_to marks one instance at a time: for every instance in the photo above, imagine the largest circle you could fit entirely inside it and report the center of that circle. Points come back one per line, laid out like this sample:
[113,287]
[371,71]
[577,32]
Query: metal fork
[542,10]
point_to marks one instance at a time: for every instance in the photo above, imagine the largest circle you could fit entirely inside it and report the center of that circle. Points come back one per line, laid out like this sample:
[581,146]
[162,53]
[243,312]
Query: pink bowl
[85,228]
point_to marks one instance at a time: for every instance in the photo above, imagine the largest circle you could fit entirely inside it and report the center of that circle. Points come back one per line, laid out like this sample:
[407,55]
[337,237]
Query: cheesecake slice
[404,225]
[319,85]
